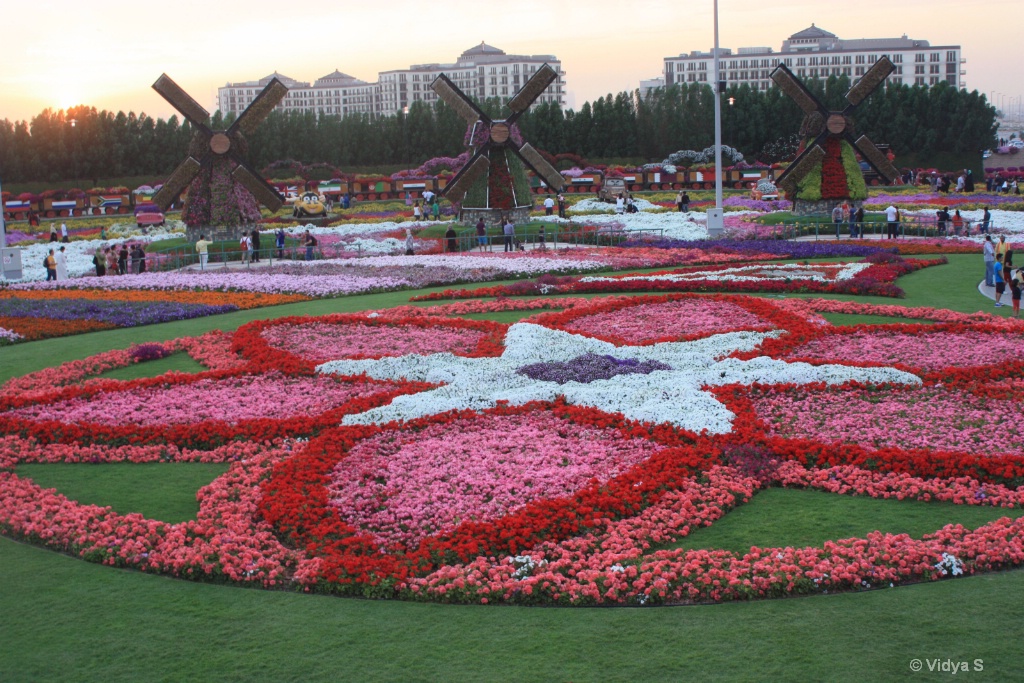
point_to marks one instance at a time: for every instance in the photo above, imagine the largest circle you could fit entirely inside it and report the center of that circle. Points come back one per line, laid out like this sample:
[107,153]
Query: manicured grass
[779,517]
[858,319]
[164,491]
[64,619]
[176,362]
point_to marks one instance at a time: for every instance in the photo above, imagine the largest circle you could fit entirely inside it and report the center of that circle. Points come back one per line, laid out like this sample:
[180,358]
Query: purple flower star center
[588,368]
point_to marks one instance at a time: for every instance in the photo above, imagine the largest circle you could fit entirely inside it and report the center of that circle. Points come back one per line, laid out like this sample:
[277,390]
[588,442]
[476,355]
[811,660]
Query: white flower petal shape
[677,396]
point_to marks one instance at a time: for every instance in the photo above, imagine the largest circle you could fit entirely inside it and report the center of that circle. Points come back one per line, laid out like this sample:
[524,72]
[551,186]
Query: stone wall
[494,217]
[217,233]
[823,207]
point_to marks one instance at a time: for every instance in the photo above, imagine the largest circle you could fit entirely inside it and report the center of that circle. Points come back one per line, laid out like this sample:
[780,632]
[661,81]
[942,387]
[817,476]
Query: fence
[909,226]
[467,240]
[219,256]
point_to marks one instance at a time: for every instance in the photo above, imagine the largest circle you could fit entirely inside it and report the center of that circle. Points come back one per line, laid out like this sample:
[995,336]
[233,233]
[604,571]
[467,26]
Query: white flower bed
[669,224]
[774,272]
[675,395]
[597,206]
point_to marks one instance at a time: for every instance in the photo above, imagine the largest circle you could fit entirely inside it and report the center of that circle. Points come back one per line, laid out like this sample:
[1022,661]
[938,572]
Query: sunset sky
[57,53]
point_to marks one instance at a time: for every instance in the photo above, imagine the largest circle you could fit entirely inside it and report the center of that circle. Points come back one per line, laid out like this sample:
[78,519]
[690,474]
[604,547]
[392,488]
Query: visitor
[111,255]
[997,275]
[837,218]
[51,266]
[409,244]
[989,257]
[968,180]
[892,221]
[986,218]
[137,256]
[122,259]
[510,234]
[428,197]
[620,204]
[1002,247]
[64,233]
[53,233]
[958,223]
[62,264]
[1016,284]
[679,201]
[245,246]
[140,258]
[435,208]
[481,236]
[279,241]
[100,262]
[452,243]
[416,215]
[255,245]
[202,248]
[103,232]
[561,206]
[310,243]
[851,213]
[542,240]
[686,202]
[549,206]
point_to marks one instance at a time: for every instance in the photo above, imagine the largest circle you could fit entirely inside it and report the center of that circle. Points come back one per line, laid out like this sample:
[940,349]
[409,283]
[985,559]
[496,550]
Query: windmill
[210,147]
[822,124]
[493,140]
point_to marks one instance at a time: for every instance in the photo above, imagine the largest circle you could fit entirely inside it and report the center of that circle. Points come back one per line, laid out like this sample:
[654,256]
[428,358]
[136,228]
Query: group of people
[683,201]
[63,233]
[999,272]
[431,206]
[118,260]
[998,183]
[852,215]
[549,205]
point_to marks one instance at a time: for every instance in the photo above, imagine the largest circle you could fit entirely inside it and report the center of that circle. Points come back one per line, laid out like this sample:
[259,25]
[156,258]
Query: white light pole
[716,220]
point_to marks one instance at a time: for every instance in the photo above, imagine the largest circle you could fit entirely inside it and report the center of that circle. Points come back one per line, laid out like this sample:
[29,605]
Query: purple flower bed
[120,313]
[588,368]
[144,352]
[782,248]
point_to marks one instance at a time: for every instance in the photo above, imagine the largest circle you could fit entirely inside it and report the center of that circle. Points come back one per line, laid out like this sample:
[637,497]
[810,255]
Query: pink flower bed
[929,351]
[930,418]
[321,342]
[229,400]
[404,486]
[638,324]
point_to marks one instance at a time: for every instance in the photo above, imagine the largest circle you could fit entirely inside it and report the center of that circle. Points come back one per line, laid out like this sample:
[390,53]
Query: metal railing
[468,240]
[909,226]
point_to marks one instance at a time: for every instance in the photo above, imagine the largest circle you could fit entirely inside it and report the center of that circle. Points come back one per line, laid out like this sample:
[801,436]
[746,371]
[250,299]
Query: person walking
[51,266]
[510,235]
[409,243]
[100,262]
[53,233]
[686,202]
[64,233]
[892,216]
[451,240]
[279,242]
[245,246]
[997,275]
[416,215]
[122,260]
[561,206]
[986,218]
[203,249]
[679,201]
[958,223]
[837,218]
[859,220]
[310,243]
[111,255]
[851,212]
[1002,248]
[542,239]
[989,255]
[481,236]
[435,208]
[62,264]
[255,235]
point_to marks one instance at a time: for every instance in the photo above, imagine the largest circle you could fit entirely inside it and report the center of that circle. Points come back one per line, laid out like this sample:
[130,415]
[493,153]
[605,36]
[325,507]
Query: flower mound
[588,368]
[321,342]
[685,318]
[404,486]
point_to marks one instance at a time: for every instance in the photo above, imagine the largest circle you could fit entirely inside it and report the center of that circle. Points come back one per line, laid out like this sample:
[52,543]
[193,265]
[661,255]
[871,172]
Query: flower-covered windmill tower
[493,183]
[223,189]
[826,171]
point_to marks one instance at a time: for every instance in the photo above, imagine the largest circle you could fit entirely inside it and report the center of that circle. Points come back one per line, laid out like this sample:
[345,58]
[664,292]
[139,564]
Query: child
[1015,289]
[1000,282]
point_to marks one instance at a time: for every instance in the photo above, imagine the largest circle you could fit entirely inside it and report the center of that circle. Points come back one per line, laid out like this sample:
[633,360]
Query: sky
[108,55]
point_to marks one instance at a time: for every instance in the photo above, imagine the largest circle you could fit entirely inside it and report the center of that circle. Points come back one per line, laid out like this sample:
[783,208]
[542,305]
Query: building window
[951,56]
[934,57]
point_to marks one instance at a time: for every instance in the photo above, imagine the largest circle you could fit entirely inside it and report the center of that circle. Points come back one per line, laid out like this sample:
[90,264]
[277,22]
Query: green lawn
[176,362]
[858,319]
[64,619]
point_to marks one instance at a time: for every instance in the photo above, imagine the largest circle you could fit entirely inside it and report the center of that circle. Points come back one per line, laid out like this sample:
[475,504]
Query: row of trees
[82,143]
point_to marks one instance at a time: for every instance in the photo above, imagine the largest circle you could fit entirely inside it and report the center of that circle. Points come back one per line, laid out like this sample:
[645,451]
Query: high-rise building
[816,53]
[482,71]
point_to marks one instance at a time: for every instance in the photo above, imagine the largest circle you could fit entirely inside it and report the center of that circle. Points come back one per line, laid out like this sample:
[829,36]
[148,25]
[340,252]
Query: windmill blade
[265,194]
[466,176]
[789,84]
[533,88]
[455,99]
[532,158]
[259,109]
[878,161]
[878,72]
[802,165]
[183,102]
[178,181]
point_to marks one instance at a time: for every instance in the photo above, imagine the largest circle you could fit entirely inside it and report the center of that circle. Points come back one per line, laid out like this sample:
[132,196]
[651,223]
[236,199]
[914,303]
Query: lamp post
[716,219]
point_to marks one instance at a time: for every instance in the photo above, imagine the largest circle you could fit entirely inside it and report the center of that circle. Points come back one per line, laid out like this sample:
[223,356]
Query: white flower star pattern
[677,396]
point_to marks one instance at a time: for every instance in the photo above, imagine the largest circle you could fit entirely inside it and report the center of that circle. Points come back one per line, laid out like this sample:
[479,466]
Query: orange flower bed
[42,328]
[243,300]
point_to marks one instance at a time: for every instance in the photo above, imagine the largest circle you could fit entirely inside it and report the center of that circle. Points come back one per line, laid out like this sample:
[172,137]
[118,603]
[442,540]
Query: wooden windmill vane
[820,123]
[499,133]
[209,145]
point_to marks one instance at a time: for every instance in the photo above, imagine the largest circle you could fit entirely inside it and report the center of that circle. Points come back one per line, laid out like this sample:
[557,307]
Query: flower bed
[543,465]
